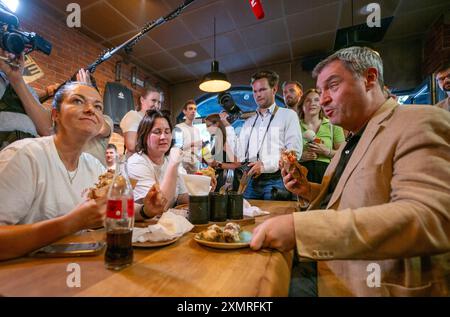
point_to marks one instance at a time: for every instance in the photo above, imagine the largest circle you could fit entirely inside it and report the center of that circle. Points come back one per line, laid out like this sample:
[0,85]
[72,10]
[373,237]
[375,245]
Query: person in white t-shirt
[150,100]
[151,164]
[43,181]
[187,137]
[110,157]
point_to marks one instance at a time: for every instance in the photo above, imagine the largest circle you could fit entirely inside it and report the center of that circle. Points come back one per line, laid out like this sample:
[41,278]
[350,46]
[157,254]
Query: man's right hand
[275,233]
[300,187]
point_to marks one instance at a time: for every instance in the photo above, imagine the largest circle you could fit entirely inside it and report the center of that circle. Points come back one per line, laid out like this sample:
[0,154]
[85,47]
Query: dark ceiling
[291,30]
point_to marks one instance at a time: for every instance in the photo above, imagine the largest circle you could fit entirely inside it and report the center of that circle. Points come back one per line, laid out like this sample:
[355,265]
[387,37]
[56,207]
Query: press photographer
[21,114]
[262,137]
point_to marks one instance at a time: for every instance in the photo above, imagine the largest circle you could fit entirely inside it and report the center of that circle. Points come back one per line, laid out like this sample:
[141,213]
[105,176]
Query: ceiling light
[11,4]
[215,81]
[190,54]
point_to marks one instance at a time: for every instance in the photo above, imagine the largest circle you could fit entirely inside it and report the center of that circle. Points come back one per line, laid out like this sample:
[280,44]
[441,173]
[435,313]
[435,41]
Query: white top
[130,122]
[142,169]
[97,146]
[184,135]
[284,133]
[34,183]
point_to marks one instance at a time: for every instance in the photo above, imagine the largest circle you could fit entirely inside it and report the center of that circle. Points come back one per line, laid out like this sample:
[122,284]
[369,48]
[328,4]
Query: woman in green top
[318,147]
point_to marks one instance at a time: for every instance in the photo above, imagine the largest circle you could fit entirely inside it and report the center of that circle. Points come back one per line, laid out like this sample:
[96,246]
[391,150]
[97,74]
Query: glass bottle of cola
[119,220]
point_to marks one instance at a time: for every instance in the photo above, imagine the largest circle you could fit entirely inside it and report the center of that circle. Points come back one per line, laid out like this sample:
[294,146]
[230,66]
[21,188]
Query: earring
[53,128]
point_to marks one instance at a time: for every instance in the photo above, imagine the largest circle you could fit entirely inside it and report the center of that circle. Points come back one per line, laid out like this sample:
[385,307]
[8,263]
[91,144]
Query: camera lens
[227,102]
[225,99]
[13,42]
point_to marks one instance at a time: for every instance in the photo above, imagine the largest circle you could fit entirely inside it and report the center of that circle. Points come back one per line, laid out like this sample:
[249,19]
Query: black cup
[218,207]
[199,209]
[235,206]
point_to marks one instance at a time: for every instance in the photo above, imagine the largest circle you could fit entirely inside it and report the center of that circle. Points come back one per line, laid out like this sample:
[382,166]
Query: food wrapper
[197,185]
[169,226]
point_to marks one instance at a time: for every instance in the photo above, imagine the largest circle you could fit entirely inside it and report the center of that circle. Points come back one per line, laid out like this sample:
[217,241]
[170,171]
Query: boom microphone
[257,8]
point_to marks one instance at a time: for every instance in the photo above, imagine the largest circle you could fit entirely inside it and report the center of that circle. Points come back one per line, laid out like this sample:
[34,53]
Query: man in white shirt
[110,156]
[264,135]
[150,100]
[292,94]
[188,138]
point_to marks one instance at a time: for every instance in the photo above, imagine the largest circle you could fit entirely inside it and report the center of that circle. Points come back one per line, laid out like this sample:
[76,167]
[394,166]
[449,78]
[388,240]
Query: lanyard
[264,137]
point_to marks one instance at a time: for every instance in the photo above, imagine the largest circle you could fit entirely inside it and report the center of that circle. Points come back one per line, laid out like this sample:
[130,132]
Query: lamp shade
[215,81]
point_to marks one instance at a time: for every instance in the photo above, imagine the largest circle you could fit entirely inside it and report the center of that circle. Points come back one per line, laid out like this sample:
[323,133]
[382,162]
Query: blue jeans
[262,188]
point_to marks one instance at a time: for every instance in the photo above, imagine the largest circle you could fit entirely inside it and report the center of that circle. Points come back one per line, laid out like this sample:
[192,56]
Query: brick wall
[437,45]
[73,50]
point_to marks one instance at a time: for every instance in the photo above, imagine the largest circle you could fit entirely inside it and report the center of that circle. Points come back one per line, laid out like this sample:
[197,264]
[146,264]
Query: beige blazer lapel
[372,128]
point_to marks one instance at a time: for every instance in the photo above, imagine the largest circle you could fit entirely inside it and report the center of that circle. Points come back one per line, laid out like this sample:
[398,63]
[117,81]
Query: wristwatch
[219,165]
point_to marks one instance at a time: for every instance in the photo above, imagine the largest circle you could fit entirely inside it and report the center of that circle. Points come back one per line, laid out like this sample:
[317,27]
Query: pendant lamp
[215,81]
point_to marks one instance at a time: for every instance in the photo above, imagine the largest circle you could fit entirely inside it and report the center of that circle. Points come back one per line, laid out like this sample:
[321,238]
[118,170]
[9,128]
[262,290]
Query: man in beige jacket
[379,224]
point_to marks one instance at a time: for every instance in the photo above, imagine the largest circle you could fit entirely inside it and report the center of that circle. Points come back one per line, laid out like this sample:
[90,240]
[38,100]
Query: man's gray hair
[356,59]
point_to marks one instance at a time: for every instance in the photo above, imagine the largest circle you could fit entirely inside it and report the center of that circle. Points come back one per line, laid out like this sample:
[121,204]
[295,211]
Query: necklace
[71,175]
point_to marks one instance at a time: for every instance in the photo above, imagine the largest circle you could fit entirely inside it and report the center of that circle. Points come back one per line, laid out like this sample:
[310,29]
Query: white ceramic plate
[245,236]
[152,244]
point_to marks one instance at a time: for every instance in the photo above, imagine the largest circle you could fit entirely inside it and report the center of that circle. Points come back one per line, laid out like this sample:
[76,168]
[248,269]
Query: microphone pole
[128,45]
[133,41]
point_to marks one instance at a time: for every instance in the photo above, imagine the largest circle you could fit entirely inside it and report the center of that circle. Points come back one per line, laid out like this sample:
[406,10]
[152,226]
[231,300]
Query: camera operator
[263,136]
[21,114]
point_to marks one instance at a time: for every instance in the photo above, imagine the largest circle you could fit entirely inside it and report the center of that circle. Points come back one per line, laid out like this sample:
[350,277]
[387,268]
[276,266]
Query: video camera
[227,102]
[17,42]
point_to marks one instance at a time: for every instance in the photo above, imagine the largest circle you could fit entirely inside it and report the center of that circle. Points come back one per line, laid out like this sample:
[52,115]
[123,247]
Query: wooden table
[184,268]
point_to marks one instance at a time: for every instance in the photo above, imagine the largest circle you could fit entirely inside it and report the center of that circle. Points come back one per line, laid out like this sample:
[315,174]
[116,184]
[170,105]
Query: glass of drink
[218,207]
[235,206]
[199,209]
[119,220]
